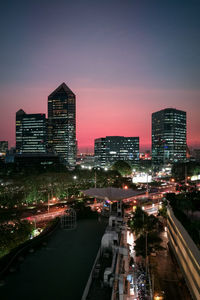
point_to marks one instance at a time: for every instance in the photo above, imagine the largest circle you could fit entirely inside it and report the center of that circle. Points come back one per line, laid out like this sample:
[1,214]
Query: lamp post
[95,178]
[146,258]
[147,190]
[48,202]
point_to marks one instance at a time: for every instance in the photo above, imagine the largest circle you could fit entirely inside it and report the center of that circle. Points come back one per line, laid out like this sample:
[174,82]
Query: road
[46,216]
[167,275]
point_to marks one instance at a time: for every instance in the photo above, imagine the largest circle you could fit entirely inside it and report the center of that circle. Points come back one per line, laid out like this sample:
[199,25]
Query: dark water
[60,270]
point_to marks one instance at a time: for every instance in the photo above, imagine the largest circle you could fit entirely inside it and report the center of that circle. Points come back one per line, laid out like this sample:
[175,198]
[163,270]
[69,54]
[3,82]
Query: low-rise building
[110,149]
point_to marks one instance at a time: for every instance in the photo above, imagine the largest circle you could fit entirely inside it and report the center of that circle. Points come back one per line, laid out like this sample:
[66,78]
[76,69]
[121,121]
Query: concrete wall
[186,252]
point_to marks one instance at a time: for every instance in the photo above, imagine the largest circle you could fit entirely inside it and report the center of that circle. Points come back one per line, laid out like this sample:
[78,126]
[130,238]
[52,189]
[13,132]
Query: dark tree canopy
[122,167]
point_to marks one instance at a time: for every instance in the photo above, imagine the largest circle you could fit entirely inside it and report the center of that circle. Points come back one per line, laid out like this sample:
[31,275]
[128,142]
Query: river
[60,270]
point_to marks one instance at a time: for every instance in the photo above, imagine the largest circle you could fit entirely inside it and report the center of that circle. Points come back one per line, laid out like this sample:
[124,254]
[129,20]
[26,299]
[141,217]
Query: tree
[145,228]
[141,222]
[153,244]
[122,167]
[163,210]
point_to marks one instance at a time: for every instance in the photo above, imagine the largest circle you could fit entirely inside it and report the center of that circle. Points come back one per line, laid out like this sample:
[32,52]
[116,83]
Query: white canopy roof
[111,193]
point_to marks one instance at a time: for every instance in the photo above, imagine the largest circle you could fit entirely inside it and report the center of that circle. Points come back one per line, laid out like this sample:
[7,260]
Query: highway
[41,217]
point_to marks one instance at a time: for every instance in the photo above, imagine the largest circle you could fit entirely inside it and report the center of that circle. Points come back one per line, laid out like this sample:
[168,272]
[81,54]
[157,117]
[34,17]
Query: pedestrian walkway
[167,274]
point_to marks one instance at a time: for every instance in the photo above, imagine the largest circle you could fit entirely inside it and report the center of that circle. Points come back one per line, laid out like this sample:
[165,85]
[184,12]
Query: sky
[124,59]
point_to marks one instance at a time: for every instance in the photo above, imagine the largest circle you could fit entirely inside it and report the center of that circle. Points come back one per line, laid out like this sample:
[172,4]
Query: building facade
[168,136]
[110,149]
[31,133]
[62,124]
[186,253]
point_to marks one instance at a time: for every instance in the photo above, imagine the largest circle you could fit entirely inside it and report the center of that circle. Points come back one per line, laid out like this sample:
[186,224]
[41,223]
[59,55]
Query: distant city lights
[195,177]
[142,178]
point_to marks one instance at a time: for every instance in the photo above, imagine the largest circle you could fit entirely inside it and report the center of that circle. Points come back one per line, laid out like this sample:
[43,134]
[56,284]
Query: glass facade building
[168,136]
[62,124]
[110,149]
[31,133]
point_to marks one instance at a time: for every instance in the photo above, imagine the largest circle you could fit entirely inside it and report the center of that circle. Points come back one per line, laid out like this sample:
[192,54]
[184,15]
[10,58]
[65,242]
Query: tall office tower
[113,148]
[31,133]
[168,136]
[62,123]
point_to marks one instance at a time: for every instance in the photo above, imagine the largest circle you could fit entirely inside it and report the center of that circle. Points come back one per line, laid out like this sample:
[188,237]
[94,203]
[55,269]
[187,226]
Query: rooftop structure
[111,193]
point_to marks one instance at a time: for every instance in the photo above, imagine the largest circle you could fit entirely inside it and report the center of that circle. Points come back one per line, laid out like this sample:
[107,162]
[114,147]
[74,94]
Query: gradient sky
[123,60]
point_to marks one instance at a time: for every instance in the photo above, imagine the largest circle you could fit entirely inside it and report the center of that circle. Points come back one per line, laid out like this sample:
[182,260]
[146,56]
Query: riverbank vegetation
[14,233]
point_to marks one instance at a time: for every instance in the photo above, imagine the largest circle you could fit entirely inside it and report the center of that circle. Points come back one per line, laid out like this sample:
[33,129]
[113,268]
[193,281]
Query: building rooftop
[111,193]
[62,88]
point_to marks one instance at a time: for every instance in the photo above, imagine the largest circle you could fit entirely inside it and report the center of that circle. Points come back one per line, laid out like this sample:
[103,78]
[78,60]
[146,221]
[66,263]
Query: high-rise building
[31,133]
[168,136]
[62,123]
[113,148]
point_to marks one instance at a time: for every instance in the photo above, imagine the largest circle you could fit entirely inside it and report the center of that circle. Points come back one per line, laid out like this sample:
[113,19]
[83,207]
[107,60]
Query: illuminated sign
[195,177]
[142,178]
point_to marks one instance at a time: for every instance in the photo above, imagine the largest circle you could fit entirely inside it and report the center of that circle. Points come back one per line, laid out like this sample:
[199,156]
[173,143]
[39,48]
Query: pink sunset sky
[105,111]
[122,59]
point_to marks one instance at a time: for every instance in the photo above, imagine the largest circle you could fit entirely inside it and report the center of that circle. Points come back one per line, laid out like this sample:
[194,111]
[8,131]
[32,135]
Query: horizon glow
[123,61]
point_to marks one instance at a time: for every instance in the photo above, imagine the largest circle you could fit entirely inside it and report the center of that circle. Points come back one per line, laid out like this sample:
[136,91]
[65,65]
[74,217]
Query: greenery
[35,188]
[83,211]
[143,224]
[179,170]
[13,234]
[163,210]
[122,167]
[153,244]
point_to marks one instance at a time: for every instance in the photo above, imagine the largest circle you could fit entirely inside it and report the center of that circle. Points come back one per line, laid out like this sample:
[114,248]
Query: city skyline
[123,61]
[90,146]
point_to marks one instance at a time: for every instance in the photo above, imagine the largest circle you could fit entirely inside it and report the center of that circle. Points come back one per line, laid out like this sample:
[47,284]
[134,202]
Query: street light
[147,190]
[48,203]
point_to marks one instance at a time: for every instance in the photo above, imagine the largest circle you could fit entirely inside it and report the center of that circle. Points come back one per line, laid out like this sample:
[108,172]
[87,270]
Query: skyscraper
[112,148]
[62,123]
[168,136]
[31,133]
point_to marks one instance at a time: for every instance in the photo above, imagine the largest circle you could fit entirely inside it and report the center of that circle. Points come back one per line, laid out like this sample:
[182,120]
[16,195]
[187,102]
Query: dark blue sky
[123,59]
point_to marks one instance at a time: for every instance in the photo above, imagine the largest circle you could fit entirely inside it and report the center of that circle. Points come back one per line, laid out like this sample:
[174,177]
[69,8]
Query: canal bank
[59,270]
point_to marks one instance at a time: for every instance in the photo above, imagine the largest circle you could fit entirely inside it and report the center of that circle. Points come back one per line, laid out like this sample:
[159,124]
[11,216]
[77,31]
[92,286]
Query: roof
[110,193]
[20,112]
[62,88]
